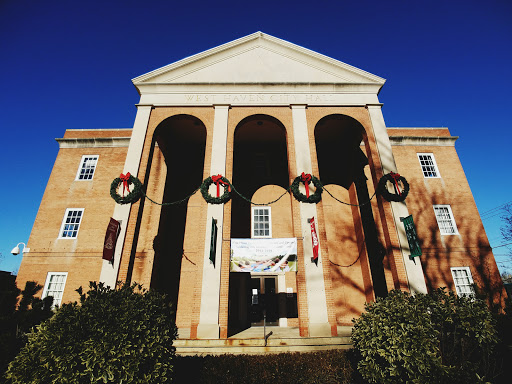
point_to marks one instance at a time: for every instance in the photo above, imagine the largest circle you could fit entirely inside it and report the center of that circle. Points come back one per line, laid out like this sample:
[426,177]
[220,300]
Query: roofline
[190,59]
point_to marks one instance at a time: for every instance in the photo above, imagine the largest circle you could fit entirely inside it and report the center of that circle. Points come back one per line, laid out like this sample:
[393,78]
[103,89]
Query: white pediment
[258,59]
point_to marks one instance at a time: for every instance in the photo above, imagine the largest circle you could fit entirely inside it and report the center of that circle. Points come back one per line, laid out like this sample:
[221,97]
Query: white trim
[469,278]
[57,301]
[433,159]
[253,236]
[64,223]
[96,142]
[451,217]
[82,164]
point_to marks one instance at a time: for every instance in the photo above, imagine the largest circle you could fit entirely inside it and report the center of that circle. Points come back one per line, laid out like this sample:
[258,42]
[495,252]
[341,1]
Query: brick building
[260,111]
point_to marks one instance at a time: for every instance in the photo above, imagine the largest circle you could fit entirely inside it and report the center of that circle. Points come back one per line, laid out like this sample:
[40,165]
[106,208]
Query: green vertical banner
[412,236]
[213,242]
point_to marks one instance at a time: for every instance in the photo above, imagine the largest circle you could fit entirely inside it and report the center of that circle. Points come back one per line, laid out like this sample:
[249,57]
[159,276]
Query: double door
[263,301]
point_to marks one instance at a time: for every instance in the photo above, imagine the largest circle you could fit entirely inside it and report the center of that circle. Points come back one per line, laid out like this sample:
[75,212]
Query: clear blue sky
[68,64]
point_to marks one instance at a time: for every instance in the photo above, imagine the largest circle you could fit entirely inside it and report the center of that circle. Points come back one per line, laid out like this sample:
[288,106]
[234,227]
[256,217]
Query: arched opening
[341,163]
[260,173]
[182,141]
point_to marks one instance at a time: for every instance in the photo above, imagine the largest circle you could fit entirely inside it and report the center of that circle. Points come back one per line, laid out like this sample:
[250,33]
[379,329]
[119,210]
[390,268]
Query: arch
[338,138]
[342,162]
[181,141]
[260,172]
[260,157]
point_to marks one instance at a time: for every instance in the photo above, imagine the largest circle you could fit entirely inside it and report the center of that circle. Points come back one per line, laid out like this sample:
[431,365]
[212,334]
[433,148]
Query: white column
[109,271]
[281,290]
[208,327]
[315,287]
[413,269]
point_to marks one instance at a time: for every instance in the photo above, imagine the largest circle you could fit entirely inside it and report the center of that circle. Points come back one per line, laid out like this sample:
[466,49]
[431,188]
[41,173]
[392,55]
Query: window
[428,165]
[71,223]
[260,222]
[54,286]
[445,221]
[87,167]
[463,281]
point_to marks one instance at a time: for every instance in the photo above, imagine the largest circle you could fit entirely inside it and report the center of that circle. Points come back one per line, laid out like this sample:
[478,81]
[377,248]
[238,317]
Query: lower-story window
[463,281]
[54,286]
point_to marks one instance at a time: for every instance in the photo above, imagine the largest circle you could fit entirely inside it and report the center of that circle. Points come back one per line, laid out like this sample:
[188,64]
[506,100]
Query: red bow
[306,179]
[124,179]
[218,180]
[395,177]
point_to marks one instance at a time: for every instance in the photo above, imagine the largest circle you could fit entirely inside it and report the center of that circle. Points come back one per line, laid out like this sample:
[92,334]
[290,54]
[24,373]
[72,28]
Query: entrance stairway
[252,341]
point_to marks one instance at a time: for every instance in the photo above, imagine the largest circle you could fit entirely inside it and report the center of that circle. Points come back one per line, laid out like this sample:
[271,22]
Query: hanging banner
[213,242]
[412,236]
[314,239]
[109,246]
[263,255]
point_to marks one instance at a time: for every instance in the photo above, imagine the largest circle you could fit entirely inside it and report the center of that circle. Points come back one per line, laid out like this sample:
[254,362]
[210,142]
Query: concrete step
[210,343]
[189,347]
[253,350]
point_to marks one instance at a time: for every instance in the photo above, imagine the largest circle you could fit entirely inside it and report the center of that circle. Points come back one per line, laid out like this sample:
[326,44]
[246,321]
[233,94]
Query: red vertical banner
[109,246]
[314,239]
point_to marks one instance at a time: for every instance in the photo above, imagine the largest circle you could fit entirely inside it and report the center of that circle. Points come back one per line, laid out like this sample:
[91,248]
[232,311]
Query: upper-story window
[445,220]
[463,281]
[87,167]
[428,165]
[54,286]
[71,223]
[261,224]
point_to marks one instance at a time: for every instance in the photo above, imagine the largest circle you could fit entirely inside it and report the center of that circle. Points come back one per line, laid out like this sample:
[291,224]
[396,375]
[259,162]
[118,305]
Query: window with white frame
[71,223]
[261,224]
[87,167]
[428,165]
[445,220]
[54,286]
[463,281]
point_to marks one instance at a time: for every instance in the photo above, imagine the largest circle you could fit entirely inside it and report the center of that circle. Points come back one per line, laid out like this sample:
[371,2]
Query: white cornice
[441,141]
[96,142]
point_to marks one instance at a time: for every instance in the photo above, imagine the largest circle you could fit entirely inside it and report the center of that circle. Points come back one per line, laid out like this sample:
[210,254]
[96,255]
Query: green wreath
[394,178]
[315,197]
[133,195]
[216,200]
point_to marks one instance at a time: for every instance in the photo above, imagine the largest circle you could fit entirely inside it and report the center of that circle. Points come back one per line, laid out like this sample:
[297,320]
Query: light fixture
[16,249]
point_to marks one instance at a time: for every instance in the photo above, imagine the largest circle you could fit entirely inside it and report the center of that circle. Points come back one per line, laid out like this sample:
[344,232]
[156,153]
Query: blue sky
[68,64]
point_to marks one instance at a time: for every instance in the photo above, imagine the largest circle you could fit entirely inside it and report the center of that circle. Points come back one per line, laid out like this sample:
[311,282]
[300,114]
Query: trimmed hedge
[317,367]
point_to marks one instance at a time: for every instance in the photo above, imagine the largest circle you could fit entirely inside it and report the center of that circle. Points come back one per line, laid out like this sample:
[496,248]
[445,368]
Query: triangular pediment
[258,59]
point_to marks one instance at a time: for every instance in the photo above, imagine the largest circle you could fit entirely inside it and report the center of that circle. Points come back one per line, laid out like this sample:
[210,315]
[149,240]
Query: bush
[436,338]
[117,336]
[285,368]
[16,322]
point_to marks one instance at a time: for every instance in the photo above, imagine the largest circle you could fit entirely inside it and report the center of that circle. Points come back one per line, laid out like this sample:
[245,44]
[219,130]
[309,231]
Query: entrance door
[263,301]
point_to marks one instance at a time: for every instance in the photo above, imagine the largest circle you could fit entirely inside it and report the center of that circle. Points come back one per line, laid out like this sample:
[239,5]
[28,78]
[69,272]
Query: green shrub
[284,368]
[436,338]
[116,336]
[16,322]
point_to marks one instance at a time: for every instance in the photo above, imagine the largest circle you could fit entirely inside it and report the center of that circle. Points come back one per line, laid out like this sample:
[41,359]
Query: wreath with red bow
[127,180]
[306,179]
[395,179]
[218,180]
